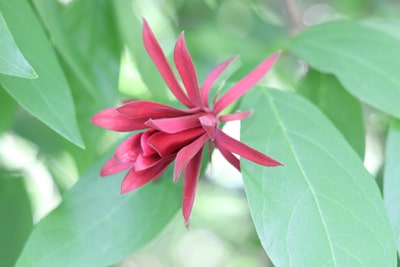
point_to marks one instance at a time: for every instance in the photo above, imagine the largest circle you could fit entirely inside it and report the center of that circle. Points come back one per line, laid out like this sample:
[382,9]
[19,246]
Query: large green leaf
[87,39]
[96,226]
[48,98]
[391,178]
[85,35]
[8,108]
[321,208]
[364,55]
[16,218]
[12,62]
[338,105]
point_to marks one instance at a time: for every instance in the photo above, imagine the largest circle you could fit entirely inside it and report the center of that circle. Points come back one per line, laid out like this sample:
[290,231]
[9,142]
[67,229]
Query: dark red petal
[154,50]
[226,142]
[245,84]
[166,144]
[111,119]
[186,154]
[135,179]
[235,116]
[230,157]
[184,65]
[146,149]
[128,150]
[209,81]
[175,125]
[143,162]
[208,122]
[190,179]
[112,166]
[141,109]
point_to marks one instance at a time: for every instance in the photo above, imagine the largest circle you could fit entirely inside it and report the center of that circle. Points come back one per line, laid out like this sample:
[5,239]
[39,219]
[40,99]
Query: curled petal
[140,109]
[143,162]
[190,179]
[166,144]
[234,161]
[186,154]
[228,143]
[146,149]
[135,179]
[128,150]
[245,84]
[208,122]
[154,50]
[211,78]
[175,125]
[112,166]
[111,119]
[235,116]
[184,65]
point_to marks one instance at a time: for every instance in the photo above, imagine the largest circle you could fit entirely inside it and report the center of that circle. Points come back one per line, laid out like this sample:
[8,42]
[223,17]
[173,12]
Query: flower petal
[184,65]
[135,179]
[190,179]
[229,157]
[166,144]
[112,166]
[141,109]
[111,119]
[235,116]
[175,125]
[245,84]
[208,122]
[224,141]
[157,55]
[143,162]
[209,81]
[146,149]
[186,154]
[128,150]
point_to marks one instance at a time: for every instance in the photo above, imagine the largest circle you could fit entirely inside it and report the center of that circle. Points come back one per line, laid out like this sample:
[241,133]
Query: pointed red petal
[226,142]
[175,125]
[146,149]
[235,116]
[166,144]
[135,179]
[190,179]
[147,109]
[209,81]
[111,119]
[112,167]
[245,84]
[143,162]
[154,50]
[186,154]
[128,150]
[184,65]
[230,157]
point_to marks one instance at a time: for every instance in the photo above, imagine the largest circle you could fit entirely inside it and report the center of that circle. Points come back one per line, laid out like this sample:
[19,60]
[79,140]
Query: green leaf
[321,208]
[391,182]
[87,39]
[8,108]
[48,98]
[96,226]
[16,218]
[131,30]
[361,54]
[338,105]
[12,62]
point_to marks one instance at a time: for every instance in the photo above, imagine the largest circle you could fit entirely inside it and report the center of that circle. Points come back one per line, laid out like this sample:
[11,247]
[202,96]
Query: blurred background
[221,231]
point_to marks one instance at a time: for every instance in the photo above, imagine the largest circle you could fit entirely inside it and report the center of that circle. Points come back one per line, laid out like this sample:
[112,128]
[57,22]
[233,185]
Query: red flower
[178,134]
